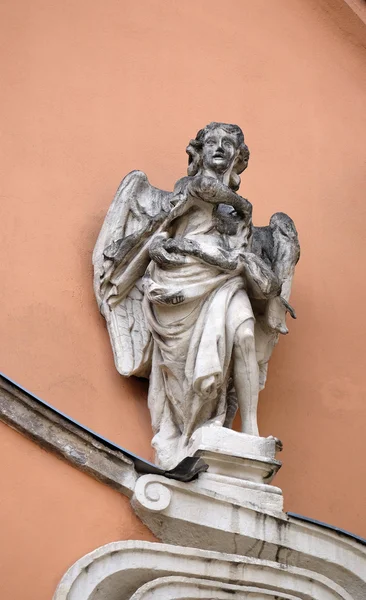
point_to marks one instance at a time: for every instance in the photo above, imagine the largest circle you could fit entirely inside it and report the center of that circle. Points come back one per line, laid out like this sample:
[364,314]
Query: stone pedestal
[220,501]
[237,455]
[225,534]
[240,466]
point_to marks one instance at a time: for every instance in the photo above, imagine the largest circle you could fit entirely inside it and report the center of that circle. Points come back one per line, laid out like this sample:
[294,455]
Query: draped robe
[177,324]
[193,311]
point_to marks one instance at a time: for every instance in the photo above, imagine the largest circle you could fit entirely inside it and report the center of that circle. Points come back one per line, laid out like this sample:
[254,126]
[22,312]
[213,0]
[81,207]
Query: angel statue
[194,296]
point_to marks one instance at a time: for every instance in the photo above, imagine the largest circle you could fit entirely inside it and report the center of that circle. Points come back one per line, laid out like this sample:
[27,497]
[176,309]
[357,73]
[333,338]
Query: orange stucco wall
[51,515]
[93,89]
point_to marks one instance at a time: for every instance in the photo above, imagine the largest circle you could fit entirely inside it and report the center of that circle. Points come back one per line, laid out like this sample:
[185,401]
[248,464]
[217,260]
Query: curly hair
[194,151]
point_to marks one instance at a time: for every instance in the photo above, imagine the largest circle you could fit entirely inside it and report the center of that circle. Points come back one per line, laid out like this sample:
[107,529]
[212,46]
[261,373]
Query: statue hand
[205,188]
[161,256]
[181,245]
[249,257]
[264,282]
[254,262]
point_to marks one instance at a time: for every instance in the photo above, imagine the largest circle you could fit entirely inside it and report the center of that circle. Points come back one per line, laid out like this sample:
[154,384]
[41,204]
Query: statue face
[219,151]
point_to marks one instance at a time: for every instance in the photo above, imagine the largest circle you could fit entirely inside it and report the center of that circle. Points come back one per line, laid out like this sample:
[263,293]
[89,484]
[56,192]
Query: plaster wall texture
[52,514]
[92,90]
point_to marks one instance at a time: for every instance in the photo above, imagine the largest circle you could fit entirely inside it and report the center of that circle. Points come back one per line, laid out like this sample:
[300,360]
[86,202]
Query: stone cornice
[81,447]
[55,432]
[207,515]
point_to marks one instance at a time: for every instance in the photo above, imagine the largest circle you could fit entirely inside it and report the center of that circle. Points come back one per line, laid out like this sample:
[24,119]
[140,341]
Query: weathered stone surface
[53,432]
[240,466]
[240,518]
[142,571]
[194,297]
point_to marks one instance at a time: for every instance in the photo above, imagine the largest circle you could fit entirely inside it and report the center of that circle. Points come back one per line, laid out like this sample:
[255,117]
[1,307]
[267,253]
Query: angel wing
[278,246]
[120,259]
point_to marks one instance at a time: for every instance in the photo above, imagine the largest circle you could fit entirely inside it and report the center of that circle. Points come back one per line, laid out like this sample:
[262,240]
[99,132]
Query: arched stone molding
[183,588]
[137,570]
[195,515]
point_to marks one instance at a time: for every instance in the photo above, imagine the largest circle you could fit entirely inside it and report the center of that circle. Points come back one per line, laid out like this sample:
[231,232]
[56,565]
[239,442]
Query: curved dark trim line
[187,470]
[327,526]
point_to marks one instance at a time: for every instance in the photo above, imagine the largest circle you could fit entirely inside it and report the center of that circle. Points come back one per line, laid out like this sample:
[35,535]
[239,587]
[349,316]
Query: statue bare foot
[279,444]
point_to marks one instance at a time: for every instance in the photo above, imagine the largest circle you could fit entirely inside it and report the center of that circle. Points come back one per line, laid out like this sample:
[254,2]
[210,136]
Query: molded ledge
[137,570]
[55,432]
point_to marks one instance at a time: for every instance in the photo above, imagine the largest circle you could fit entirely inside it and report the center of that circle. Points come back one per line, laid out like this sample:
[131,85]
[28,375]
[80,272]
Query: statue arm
[212,255]
[211,190]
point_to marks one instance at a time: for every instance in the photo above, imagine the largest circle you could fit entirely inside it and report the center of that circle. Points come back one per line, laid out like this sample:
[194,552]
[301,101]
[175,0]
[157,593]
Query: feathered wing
[120,259]
[278,245]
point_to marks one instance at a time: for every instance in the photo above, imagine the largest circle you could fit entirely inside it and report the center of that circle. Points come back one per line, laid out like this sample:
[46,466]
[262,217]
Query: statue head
[219,149]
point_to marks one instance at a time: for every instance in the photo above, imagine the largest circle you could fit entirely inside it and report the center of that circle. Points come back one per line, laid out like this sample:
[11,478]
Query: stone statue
[194,296]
